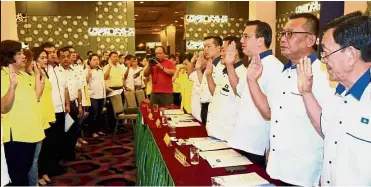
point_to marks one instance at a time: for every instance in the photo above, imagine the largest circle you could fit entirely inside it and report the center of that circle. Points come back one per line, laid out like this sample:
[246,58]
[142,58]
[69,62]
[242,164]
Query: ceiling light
[162,25]
[181,25]
[176,21]
[141,2]
[136,15]
[176,12]
[181,17]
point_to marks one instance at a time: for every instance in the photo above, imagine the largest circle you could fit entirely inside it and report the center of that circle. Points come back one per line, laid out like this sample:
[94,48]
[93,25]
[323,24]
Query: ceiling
[153,16]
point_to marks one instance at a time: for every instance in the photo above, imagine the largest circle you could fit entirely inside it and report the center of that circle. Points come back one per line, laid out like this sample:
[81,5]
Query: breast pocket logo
[225,90]
[365,120]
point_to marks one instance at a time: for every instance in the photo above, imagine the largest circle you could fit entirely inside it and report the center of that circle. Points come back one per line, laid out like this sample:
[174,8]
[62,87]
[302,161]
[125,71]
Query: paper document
[174,112]
[215,154]
[227,161]
[68,122]
[181,117]
[249,179]
[208,146]
[187,124]
[203,139]
[115,92]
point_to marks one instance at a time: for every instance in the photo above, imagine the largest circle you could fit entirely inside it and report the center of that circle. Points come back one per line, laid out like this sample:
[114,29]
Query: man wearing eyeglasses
[296,149]
[251,132]
[345,122]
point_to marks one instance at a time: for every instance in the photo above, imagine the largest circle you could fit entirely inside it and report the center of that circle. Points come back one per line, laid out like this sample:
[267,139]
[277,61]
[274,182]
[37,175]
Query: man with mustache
[296,149]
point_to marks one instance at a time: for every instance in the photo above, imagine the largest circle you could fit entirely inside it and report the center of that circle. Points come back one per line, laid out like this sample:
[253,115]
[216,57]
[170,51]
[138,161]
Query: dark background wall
[67,23]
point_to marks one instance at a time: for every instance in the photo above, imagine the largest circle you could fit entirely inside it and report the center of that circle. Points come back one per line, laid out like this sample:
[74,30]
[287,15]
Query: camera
[152,59]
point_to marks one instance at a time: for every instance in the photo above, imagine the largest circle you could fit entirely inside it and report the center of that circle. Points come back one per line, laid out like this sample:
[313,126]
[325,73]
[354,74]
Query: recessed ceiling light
[176,12]
[136,15]
[176,21]
[141,2]
[181,17]
[181,25]
[162,25]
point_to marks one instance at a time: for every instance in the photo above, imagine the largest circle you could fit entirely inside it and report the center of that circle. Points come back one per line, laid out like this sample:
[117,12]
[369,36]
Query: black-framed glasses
[324,56]
[288,34]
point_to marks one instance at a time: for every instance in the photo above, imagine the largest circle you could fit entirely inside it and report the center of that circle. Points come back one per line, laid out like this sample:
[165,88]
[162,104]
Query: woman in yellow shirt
[22,124]
[47,120]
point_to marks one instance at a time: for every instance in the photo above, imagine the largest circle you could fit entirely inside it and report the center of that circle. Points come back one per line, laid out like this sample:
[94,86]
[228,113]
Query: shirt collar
[358,88]
[216,61]
[312,57]
[265,54]
[235,65]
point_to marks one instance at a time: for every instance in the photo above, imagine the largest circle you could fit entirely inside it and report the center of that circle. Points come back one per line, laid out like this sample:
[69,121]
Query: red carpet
[104,162]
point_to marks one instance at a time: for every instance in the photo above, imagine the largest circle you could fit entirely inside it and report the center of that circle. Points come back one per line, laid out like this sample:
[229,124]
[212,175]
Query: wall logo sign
[195,45]
[206,19]
[106,31]
[309,7]
[20,17]
[153,44]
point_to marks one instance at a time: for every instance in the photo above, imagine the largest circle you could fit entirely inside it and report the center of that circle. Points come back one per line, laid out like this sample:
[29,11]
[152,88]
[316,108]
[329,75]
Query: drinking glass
[172,132]
[194,155]
[155,107]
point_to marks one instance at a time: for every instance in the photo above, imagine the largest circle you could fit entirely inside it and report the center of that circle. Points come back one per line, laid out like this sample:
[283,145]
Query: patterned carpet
[103,162]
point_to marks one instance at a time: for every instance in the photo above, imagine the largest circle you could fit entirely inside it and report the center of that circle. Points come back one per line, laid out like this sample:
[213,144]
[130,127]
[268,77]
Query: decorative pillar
[163,39]
[352,6]
[268,16]
[170,31]
[8,21]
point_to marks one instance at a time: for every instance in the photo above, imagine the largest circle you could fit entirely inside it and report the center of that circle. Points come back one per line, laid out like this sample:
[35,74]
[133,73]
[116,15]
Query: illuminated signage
[111,31]
[153,44]
[206,19]
[309,7]
[195,45]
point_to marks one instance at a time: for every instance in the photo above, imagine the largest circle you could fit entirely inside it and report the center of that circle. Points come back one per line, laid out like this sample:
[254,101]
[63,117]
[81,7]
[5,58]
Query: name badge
[365,120]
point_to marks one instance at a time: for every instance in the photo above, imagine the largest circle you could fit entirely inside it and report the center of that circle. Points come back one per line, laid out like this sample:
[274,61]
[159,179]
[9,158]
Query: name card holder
[181,158]
[167,140]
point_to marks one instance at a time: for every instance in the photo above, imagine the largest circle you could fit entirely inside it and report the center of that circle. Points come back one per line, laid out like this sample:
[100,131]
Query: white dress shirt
[346,124]
[224,105]
[296,149]
[131,82]
[195,100]
[251,133]
[74,83]
[58,81]
[96,84]
[217,71]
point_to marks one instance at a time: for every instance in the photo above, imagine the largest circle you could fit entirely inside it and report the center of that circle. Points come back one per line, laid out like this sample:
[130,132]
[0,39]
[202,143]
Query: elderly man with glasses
[296,149]
[345,122]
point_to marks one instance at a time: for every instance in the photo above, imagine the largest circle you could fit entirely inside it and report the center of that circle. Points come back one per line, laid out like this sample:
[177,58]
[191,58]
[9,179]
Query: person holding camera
[162,71]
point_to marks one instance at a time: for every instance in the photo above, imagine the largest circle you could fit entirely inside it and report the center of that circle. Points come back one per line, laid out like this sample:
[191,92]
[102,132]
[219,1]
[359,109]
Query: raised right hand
[13,76]
[255,68]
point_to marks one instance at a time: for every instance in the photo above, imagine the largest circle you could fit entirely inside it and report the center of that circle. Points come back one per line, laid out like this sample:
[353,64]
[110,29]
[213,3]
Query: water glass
[149,109]
[164,120]
[162,111]
[172,132]
[155,107]
[194,155]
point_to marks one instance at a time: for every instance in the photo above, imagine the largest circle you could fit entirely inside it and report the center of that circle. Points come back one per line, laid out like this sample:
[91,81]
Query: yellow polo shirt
[23,121]
[186,92]
[46,105]
[116,78]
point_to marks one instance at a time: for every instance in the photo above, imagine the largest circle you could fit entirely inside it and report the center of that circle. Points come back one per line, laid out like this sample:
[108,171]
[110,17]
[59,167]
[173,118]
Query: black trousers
[19,157]
[52,147]
[72,134]
[256,159]
[95,115]
[177,100]
[204,111]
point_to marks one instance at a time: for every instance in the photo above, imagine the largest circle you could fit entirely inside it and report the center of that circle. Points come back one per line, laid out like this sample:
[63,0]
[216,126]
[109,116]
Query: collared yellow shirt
[23,121]
[116,78]
[186,86]
[46,105]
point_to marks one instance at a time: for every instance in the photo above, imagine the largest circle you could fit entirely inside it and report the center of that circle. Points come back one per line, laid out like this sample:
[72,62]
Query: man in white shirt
[212,46]
[225,101]
[251,132]
[122,61]
[345,122]
[296,150]
[55,135]
[74,85]
[133,74]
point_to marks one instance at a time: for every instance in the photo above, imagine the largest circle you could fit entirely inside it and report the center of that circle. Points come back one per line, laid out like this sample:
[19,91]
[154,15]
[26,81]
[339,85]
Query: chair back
[117,105]
[130,99]
[140,95]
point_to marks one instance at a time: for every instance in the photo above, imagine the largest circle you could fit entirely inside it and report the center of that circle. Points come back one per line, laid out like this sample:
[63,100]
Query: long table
[157,166]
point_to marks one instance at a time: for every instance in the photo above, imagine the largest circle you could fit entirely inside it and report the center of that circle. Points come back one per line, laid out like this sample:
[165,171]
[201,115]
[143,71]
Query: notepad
[249,179]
